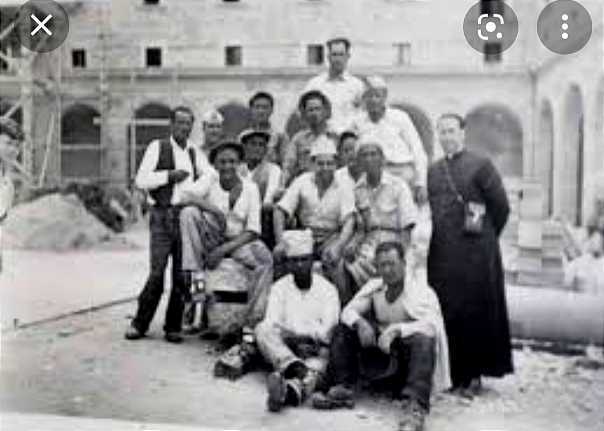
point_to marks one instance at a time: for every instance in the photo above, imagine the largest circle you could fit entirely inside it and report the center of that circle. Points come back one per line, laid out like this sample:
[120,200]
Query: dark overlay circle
[564,26]
[484,29]
[48,22]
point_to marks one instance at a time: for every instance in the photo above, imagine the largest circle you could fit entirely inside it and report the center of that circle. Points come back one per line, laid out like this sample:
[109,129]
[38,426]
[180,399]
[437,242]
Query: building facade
[125,63]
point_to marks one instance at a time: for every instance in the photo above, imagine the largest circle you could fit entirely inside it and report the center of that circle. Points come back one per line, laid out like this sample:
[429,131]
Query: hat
[232,145]
[298,242]
[249,133]
[375,82]
[369,141]
[11,128]
[212,116]
[323,146]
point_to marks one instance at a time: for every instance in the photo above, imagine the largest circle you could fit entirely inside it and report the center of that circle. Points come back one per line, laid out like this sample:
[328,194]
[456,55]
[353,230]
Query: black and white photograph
[302,215]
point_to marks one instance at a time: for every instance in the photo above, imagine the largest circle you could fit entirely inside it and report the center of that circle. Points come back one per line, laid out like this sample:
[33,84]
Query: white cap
[212,117]
[376,82]
[298,242]
[323,146]
[369,140]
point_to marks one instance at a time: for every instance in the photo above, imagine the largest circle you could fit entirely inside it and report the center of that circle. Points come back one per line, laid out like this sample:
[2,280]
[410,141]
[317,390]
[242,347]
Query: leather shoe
[133,334]
[173,337]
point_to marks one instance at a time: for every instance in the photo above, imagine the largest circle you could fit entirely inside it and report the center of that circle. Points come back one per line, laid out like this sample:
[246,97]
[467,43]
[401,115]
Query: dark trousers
[407,371]
[165,242]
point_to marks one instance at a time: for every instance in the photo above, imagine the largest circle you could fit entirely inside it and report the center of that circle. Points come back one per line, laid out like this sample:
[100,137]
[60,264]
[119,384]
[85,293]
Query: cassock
[466,270]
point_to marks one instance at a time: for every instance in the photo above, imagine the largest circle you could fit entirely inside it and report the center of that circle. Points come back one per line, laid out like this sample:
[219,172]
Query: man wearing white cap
[212,124]
[393,129]
[322,205]
[303,308]
[344,90]
[386,211]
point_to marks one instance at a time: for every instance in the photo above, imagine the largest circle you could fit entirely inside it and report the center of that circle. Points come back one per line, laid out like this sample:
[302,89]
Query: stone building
[107,90]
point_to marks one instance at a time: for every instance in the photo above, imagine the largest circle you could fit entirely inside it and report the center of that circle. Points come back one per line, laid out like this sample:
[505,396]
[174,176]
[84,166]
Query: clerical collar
[455,154]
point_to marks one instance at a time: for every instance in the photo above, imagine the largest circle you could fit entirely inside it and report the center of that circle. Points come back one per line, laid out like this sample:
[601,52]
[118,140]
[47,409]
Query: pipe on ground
[555,315]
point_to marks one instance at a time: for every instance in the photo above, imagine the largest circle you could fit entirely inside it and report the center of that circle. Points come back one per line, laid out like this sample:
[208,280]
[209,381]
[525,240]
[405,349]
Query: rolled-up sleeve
[274,180]
[410,135]
[406,207]
[147,177]
[359,305]
[290,200]
[253,215]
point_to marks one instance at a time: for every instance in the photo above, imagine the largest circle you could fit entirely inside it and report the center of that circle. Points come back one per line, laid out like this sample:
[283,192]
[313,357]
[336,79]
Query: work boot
[340,393]
[412,417]
[277,392]
[235,362]
[133,333]
[321,401]
[173,337]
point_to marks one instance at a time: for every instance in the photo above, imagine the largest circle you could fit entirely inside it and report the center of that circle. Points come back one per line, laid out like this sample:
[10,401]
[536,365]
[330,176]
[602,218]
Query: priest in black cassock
[469,210]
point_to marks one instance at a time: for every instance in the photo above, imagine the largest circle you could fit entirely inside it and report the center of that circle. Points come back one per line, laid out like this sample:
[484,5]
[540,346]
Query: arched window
[151,121]
[80,144]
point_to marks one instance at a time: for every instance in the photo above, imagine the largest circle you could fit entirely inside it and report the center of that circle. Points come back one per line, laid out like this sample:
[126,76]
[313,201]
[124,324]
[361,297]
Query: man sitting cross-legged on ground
[303,308]
[392,332]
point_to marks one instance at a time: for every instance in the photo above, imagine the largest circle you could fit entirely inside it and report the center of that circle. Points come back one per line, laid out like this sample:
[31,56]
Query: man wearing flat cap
[323,205]
[343,90]
[261,106]
[315,109]
[303,308]
[264,173]
[403,150]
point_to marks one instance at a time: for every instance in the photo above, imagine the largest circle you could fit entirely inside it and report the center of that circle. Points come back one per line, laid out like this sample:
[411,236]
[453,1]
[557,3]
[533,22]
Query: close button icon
[42,25]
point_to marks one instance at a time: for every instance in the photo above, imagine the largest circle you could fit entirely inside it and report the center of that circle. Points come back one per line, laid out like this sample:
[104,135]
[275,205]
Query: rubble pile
[54,222]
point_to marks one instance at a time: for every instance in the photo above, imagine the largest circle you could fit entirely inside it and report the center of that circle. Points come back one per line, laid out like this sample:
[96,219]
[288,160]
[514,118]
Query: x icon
[41,25]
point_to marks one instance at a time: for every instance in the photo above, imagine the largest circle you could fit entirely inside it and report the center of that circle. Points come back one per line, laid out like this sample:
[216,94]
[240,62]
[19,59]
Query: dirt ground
[82,366]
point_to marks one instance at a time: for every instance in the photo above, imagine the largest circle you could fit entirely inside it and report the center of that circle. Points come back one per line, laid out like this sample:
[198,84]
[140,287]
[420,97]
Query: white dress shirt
[399,139]
[345,94]
[149,178]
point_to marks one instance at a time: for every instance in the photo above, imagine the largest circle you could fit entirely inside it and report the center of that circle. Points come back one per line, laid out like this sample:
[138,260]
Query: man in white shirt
[222,220]
[212,124]
[168,167]
[303,308]
[404,153]
[392,333]
[266,174]
[320,203]
[343,90]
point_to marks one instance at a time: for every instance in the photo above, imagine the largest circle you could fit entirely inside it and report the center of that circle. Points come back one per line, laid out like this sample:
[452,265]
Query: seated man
[392,332]
[222,221]
[303,308]
[264,173]
[322,205]
[386,211]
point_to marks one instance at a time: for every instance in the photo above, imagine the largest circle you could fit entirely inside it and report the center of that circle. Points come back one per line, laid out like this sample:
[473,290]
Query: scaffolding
[22,68]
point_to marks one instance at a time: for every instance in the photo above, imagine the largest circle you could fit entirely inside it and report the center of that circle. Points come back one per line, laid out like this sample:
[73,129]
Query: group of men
[342,195]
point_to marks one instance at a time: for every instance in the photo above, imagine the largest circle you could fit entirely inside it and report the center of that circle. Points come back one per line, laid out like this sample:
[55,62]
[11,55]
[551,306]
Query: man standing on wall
[343,90]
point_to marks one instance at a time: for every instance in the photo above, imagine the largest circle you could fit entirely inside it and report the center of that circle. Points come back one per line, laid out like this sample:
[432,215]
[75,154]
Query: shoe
[321,401]
[233,363]
[476,386]
[133,334]
[277,392]
[412,417]
[173,337]
[340,393]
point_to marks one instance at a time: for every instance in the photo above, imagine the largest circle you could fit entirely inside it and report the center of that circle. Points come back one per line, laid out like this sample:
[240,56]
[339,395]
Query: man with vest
[168,167]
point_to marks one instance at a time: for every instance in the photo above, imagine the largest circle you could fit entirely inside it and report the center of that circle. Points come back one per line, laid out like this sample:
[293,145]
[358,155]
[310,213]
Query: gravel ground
[82,366]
